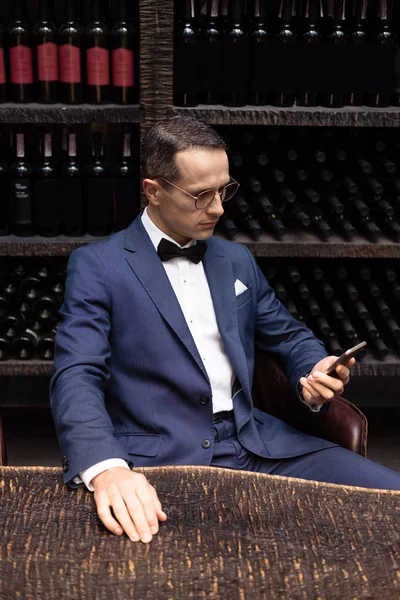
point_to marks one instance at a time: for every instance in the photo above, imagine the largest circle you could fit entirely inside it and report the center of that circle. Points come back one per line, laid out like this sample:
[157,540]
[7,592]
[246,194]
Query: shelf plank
[12,368]
[12,245]
[299,244]
[303,244]
[365,367]
[64,113]
[347,116]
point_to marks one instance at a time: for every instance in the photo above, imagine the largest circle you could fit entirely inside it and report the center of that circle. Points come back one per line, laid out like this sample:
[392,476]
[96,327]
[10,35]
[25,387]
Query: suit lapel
[219,272]
[147,266]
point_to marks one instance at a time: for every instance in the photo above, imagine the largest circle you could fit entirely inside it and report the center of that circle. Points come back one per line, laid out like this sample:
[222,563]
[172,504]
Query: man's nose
[216,207]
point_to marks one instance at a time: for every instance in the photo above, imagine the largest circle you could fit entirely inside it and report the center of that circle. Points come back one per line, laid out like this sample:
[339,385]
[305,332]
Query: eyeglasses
[225,192]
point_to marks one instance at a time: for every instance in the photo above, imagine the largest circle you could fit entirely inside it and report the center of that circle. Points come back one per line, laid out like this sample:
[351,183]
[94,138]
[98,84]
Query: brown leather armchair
[340,422]
[3,454]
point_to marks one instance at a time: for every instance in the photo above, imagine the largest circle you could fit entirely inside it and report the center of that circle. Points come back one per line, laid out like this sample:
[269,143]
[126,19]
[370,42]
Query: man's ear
[151,189]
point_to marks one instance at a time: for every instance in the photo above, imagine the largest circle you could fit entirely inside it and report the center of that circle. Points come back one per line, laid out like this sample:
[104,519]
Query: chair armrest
[3,453]
[339,421]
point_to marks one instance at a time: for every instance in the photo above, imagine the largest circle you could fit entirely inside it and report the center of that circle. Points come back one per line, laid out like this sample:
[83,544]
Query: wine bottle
[384,37]
[259,95]
[337,37]
[319,224]
[3,75]
[99,191]
[11,325]
[20,56]
[186,58]
[71,192]
[359,37]
[97,58]
[70,56]
[45,345]
[126,190]
[250,225]
[360,309]
[46,56]
[347,329]
[342,224]
[123,58]
[262,205]
[5,348]
[227,226]
[46,201]
[21,222]
[45,309]
[235,59]
[380,347]
[285,35]
[310,37]
[211,53]
[4,200]
[295,216]
[274,224]
[31,289]
[24,345]
[335,347]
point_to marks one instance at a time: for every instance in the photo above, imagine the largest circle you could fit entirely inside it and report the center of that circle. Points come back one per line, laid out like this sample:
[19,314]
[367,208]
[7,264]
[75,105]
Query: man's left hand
[319,388]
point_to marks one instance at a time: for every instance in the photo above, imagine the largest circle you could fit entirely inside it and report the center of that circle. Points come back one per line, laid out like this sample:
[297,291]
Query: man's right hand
[134,501]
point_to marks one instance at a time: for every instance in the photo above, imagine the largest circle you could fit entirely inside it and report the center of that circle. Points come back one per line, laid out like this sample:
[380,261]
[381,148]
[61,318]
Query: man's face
[174,212]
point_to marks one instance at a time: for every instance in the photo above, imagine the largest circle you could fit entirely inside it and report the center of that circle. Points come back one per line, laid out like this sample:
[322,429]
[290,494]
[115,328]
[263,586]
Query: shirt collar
[156,235]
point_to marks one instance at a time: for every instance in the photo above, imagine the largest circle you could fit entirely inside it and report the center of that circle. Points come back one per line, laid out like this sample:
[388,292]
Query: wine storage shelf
[62,113]
[347,116]
[368,367]
[298,244]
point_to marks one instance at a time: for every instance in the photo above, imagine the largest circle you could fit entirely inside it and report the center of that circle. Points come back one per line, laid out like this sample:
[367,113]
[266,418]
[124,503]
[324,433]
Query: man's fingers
[137,517]
[146,498]
[333,383]
[105,515]
[161,515]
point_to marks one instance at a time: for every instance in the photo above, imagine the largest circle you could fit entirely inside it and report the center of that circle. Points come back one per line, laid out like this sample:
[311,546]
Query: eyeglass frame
[195,198]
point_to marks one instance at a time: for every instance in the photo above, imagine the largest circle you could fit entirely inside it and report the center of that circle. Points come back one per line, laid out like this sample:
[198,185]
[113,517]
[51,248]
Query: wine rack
[156,102]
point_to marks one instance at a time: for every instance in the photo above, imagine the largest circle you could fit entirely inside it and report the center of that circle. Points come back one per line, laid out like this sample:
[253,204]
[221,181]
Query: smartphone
[345,357]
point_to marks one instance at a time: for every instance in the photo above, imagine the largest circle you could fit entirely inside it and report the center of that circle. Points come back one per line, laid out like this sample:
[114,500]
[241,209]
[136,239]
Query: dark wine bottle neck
[97,146]
[44,10]
[18,11]
[187,11]
[96,11]
[237,12]
[286,12]
[70,11]
[123,11]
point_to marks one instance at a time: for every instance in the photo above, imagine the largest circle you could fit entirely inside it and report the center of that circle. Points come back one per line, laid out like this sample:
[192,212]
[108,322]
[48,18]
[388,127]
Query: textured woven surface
[229,535]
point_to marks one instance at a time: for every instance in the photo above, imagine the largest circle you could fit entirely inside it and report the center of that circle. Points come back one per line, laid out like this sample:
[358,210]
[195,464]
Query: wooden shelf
[295,244]
[11,245]
[64,113]
[347,116]
[12,368]
[303,244]
[367,367]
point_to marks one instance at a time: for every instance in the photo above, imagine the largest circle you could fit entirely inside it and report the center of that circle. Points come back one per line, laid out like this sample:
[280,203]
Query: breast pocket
[243,298]
[141,444]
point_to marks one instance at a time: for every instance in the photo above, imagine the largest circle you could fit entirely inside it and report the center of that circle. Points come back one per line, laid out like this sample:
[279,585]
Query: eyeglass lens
[225,193]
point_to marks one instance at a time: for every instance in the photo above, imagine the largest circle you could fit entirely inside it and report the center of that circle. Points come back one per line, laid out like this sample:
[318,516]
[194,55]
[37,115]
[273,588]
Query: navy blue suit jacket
[129,382]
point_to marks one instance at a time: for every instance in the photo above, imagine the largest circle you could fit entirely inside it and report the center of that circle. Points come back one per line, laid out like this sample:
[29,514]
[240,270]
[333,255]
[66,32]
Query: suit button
[204,399]
[206,443]
[65,464]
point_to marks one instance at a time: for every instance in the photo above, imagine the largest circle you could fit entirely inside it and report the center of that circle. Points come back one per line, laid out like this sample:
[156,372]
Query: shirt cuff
[87,475]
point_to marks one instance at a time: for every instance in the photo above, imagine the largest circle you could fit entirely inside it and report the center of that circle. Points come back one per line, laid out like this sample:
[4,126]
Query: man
[155,352]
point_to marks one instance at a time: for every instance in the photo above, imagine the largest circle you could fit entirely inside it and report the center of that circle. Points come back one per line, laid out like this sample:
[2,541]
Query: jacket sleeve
[84,429]
[278,332]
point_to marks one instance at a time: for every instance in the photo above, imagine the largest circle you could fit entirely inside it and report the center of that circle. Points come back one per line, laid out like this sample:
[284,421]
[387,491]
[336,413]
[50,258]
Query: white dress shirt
[192,291]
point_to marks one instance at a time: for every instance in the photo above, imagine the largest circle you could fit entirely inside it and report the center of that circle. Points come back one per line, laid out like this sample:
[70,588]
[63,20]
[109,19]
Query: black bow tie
[167,250]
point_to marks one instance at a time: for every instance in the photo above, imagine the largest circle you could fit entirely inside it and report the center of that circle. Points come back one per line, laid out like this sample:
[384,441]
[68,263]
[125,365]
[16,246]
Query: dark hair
[164,139]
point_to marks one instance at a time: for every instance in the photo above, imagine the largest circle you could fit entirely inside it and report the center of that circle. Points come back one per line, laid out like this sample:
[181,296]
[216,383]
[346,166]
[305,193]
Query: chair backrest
[340,421]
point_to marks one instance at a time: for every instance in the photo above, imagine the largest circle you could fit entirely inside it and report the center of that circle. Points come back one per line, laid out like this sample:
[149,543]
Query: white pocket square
[239,287]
